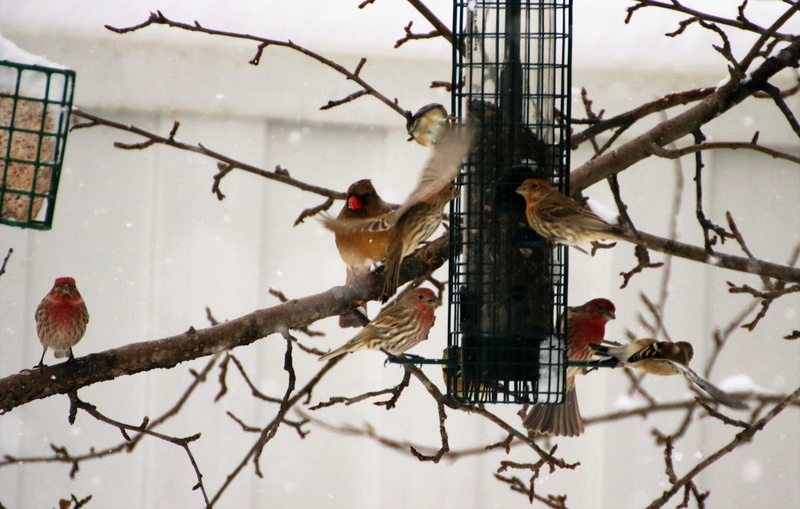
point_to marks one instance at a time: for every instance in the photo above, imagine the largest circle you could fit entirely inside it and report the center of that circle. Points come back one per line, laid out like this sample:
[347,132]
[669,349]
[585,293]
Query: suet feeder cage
[508,287]
[35,105]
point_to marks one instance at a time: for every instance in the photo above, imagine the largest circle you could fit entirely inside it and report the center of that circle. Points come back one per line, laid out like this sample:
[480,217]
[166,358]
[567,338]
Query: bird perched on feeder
[665,358]
[456,385]
[424,125]
[560,219]
[421,214]
[61,319]
[399,326]
[586,325]
[361,249]
[649,355]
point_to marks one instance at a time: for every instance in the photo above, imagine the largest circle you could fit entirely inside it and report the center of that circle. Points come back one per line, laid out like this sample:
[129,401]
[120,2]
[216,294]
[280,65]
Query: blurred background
[150,247]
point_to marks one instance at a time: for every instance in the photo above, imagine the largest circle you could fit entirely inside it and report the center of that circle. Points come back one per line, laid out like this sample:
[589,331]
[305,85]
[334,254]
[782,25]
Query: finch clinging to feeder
[649,355]
[424,126]
[586,325]
[61,319]
[665,358]
[560,219]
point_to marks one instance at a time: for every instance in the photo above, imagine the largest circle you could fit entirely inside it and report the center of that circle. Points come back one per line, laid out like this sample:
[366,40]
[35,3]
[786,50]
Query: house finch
[559,218]
[412,228]
[586,325]
[420,215]
[665,358]
[424,125]
[61,319]
[361,249]
[398,327]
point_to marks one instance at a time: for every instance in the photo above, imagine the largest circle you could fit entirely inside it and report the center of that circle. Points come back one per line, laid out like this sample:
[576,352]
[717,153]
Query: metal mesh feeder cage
[35,105]
[508,287]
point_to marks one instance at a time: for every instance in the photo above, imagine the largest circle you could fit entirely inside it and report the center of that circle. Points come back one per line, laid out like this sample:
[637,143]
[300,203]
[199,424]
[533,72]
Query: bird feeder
[35,105]
[508,287]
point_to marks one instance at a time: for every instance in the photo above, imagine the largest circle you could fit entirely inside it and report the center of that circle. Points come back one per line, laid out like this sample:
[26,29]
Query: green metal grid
[508,288]
[35,107]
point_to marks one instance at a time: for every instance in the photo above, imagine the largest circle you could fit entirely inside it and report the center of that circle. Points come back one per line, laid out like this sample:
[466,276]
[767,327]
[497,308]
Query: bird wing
[378,329]
[561,208]
[374,224]
[712,390]
[649,350]
[441,168]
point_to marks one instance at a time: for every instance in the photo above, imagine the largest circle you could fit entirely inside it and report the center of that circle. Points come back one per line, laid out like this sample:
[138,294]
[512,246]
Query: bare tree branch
[726,261]
[76,404]
[5,261]
[62,378]
[712,106]
[442,28]
[157,18]
[279,175]
[742,438]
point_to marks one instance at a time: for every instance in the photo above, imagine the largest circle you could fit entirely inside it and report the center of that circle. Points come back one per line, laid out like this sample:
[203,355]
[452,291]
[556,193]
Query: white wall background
[150,247]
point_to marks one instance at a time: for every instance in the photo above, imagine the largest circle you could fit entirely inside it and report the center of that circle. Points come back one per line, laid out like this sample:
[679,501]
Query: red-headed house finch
[586,325]
[420,215]
[361,249]
[398,327]
[665,358]
[424,125]
[560,219]
[61,319]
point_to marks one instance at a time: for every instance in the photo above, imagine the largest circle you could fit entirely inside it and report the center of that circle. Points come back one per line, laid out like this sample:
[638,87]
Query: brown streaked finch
[415,226]
[399,326]
[424,125]
[665,358]
[560,219]
[421,214]
[361,249]
[586,325]
[61,319]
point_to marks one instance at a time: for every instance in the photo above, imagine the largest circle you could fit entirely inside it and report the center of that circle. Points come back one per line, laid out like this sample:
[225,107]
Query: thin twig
[277,175]
[157,18]
[77,404]
[5,261]
[741,438]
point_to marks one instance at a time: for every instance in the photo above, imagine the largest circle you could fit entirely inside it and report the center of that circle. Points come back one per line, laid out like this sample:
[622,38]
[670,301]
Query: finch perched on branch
[398,327]
[586,325]
[665,358]
[61,319]
[424,125]
[361,249]
[560,219]
[420,215]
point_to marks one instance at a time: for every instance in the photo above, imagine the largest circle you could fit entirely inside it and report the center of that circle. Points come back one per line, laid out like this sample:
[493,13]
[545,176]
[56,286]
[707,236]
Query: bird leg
[41,361]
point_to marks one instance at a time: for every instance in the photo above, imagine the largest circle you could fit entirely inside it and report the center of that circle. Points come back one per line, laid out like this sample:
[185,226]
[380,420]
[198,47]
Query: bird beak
[610,315]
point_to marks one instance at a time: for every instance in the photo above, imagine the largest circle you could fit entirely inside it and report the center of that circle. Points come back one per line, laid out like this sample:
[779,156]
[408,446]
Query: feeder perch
[35,105]
[508,287]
